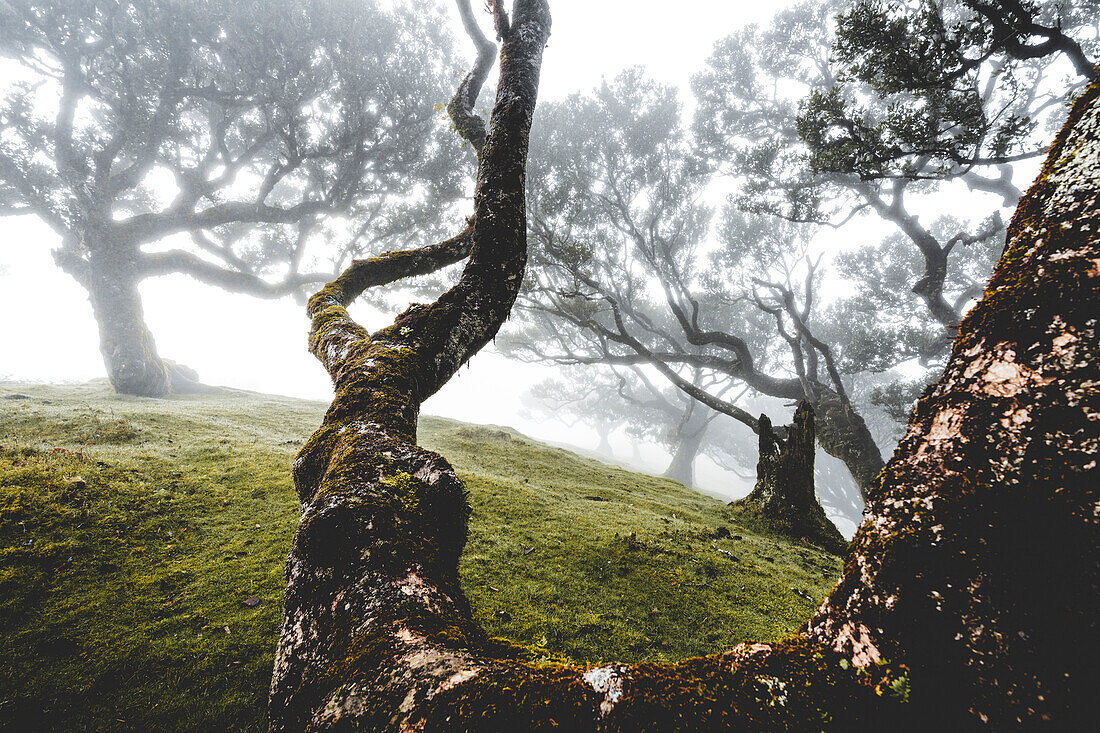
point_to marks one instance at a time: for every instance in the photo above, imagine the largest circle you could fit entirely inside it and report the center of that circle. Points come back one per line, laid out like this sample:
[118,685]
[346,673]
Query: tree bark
[968,595]
[843,434]
[682,467]
[783,499]
[128,349]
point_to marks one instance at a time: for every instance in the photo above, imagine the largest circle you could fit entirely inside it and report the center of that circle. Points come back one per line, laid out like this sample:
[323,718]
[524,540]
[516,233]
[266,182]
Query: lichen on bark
[968,594]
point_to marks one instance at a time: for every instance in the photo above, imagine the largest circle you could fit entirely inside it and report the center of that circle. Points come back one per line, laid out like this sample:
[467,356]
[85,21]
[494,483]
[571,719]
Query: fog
[48,332]
[261,347]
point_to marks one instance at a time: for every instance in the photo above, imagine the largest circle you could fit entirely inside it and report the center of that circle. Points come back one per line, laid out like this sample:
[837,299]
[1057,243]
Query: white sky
[262,347]
[47,332]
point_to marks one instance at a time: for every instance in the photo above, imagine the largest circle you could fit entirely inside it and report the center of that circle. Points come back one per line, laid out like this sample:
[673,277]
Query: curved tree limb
[966,597]
[468,123]
[186,263]
[353,601]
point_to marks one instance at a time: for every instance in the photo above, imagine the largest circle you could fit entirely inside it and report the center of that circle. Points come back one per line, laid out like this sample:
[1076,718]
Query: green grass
[133,530]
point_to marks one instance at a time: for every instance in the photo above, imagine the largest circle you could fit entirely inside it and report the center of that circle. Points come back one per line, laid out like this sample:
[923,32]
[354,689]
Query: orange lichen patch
[854,641]
[1000,373]
[945,426]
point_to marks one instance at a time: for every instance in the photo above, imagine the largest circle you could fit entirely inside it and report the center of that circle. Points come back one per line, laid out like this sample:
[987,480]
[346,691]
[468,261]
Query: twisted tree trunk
[110,272]
[968,596]
[374,619]
[689,439]
[843,434]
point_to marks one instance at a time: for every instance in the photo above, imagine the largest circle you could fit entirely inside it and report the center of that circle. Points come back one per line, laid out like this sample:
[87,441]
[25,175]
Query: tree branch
[469,125]
[180,261]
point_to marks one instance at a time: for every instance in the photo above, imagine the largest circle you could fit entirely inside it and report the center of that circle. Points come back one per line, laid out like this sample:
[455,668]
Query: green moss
[405,488]
[115,594]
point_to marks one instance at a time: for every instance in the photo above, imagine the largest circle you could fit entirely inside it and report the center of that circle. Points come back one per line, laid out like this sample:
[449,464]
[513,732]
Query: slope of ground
[142,545]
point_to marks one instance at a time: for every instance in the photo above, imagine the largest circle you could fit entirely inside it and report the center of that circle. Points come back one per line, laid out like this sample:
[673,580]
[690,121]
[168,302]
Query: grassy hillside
[142,546]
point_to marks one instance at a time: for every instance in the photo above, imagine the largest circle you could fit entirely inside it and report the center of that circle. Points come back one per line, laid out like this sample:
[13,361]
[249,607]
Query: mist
[691,278]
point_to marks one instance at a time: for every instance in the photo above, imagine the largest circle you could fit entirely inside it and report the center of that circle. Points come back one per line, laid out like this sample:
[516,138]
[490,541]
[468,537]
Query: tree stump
[783,500]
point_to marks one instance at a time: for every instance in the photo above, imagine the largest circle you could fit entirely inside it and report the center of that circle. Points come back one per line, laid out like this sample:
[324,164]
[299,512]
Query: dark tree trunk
[843,434]
[783,499]
[373,604]
[129,353]
[968,595]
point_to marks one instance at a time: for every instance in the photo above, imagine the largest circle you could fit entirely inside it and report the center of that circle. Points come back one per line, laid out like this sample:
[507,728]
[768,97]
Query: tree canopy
[281,138]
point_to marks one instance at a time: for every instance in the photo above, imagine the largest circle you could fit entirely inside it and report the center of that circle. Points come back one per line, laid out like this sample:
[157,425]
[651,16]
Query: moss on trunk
[783,500]
[967,594]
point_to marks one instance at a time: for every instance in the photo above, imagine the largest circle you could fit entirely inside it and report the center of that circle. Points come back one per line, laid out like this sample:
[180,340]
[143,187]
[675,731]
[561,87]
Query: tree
[968,594]
[783,497]
[261,130]
[583,399]
[824,120]
[609,397]
[617,216]
[628,399]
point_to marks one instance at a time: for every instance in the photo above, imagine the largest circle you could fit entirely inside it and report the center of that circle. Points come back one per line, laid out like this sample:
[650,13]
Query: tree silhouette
[280,137]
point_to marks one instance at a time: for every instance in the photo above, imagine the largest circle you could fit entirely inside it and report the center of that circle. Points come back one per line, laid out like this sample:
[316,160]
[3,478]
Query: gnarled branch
[354,563]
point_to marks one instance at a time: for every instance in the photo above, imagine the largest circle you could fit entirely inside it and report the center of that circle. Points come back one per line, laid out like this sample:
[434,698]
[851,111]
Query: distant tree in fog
[581,398]
[280,137]
[628,273]
[607,399]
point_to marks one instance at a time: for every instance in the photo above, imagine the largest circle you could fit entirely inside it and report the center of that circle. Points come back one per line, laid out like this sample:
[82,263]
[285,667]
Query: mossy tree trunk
[374,618]
[968,595]
[783,498]
[843,434]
